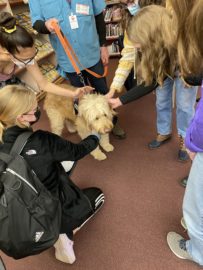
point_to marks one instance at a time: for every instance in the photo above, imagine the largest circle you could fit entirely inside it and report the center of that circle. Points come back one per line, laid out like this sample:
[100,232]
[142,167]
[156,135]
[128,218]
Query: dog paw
[99,156]
[108,148]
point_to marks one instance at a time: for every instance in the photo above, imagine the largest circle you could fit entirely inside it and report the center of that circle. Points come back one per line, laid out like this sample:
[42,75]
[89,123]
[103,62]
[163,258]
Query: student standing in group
[84,27]
[157,69]
[127,61]
[189,16]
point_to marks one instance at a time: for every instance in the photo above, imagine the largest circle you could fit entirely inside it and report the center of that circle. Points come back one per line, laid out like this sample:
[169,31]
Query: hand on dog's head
[96,112]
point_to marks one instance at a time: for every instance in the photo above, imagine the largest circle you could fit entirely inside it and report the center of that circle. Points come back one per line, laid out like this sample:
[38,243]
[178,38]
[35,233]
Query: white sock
[64,249]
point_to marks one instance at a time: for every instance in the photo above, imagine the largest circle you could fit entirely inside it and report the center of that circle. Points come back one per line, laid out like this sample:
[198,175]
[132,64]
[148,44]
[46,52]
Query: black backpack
[30,216]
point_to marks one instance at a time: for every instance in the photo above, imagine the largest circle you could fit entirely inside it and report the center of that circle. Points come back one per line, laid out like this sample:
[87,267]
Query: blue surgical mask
[133,8]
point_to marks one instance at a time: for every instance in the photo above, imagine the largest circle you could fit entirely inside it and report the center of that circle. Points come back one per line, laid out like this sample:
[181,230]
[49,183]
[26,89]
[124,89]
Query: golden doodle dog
[94,115]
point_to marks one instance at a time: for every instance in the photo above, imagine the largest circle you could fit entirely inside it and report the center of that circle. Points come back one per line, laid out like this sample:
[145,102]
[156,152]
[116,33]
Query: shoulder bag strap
[20,143]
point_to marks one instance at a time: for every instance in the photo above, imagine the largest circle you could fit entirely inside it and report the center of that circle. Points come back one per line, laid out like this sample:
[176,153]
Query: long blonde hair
[180,9]
[150,28]
[188,14]
[15,100]
[189,44]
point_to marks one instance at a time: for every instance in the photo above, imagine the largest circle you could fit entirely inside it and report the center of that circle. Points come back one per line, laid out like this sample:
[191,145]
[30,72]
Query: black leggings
[76,207]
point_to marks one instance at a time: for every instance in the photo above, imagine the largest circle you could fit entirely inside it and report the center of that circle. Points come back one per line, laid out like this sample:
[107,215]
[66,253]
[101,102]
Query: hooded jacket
[194,135]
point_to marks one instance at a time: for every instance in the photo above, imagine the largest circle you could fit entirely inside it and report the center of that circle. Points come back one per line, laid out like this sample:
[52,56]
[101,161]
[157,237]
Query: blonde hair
[144,3]
[189,44]
[180,9]
[150,28]
[188,15]
[15,100]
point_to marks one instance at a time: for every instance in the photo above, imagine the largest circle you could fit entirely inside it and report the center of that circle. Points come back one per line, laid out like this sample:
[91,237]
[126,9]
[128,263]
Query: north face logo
[38,236]
[31,152]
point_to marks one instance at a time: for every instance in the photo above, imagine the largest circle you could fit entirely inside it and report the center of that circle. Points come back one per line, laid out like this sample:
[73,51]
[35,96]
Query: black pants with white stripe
[78,206]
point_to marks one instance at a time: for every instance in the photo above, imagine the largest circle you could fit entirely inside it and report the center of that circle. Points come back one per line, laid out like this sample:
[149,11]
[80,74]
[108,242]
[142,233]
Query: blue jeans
[185,102]
[99,84]
[193,209]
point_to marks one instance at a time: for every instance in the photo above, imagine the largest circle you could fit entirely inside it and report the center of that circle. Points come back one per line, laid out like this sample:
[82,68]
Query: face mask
[133,9]
[23,63]
[37,115]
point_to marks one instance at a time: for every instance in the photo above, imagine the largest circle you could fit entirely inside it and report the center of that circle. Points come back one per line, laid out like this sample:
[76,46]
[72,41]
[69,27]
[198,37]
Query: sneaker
[183,181]
[96,198]
[182,153]
[177,245]
[64,249]
[118,132]
[160,139]
[182,222]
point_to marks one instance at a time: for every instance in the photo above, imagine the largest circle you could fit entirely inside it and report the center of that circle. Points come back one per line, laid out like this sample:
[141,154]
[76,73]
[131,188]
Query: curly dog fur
[94,114]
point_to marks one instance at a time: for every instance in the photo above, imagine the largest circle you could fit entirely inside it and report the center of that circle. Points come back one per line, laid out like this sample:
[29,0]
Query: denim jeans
[193,209]
[99,84]
[185,102]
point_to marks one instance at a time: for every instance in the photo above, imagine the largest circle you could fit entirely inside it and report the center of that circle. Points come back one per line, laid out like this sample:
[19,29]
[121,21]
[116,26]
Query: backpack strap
[4,159]
[20,143]
[16,149]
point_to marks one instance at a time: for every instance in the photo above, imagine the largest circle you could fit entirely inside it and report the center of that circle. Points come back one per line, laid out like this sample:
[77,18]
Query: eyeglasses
[26,62]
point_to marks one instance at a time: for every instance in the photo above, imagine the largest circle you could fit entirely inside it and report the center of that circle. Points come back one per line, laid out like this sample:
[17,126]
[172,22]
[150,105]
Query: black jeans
[99,84]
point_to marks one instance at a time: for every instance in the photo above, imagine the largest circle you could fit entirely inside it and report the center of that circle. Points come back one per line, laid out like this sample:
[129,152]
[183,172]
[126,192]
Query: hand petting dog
[80,92]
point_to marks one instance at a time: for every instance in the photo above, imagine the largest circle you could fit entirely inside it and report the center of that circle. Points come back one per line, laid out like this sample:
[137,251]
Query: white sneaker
[64,249]
[177,245]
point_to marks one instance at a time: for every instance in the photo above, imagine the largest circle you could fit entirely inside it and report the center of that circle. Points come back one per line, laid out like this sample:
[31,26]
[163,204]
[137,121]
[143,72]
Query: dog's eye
[105,115]
[97,118]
